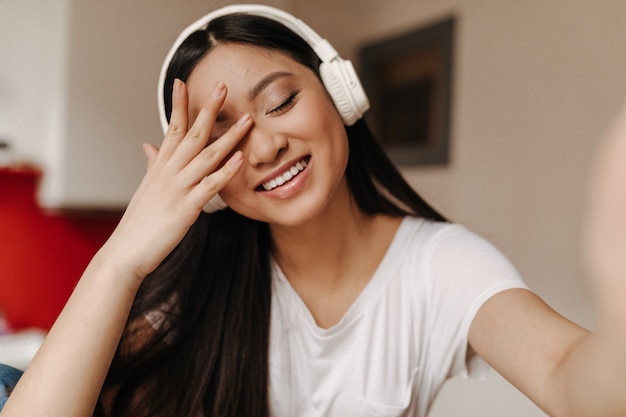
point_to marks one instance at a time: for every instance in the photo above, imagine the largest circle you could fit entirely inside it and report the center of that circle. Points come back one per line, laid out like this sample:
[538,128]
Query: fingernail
[218,90]
[178,88]
[243,120]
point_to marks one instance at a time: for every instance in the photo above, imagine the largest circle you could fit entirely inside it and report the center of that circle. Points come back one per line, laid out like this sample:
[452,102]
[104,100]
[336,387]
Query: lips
[286,176]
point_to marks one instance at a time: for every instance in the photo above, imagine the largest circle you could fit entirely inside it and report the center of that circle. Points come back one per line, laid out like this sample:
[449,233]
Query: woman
[327,287]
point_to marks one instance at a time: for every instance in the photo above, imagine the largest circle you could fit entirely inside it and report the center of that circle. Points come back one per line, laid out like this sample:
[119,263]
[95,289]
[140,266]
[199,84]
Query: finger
[212,156]
[198,135]
[177,127]
[210,185]
[151,153]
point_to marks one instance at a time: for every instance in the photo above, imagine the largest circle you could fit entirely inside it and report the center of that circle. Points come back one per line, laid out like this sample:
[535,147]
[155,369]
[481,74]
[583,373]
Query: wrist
[119,268]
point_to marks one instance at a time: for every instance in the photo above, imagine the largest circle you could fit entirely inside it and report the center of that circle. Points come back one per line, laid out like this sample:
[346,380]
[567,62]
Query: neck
[339,244]
[330,259]
[320,242]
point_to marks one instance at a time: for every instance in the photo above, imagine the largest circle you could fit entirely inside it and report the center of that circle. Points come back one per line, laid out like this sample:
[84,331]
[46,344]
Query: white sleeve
[466,270]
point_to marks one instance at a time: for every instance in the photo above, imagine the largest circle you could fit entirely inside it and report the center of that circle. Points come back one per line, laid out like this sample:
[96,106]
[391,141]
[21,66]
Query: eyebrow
[258,88]
[266,81]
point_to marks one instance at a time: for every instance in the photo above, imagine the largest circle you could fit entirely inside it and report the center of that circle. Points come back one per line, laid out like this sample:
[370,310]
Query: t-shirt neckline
[379,278]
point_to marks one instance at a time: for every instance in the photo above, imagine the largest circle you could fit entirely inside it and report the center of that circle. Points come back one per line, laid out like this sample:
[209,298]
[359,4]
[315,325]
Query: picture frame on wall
[409,78]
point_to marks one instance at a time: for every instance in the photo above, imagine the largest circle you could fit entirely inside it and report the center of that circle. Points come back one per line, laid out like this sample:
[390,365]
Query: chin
[285,214]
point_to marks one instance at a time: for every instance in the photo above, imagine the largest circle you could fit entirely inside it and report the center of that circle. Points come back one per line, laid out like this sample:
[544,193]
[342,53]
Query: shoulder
[441,239]
[450,253]
[445,272]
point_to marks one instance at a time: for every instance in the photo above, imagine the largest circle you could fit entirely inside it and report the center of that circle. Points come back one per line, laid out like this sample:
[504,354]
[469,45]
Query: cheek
[342,156]
[339,148]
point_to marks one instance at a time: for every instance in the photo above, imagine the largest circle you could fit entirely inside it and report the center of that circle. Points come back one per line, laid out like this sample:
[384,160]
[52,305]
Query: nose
[263,144]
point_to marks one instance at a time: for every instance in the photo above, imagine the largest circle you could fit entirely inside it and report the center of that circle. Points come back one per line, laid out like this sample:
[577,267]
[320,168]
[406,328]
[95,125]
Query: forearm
[595,373]
[592,379]
[66,376]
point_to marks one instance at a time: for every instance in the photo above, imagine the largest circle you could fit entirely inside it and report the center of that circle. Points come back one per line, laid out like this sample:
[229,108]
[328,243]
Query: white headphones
[338,75]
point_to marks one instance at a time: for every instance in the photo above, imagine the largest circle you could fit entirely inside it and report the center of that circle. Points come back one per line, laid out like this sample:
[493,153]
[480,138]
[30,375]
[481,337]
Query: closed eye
[285,105]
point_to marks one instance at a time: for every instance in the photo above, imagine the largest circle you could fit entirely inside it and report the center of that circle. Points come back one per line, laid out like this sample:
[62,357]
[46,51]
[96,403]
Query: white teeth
[286,176]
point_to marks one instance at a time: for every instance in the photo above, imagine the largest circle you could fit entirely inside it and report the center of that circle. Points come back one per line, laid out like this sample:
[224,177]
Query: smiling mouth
[286,176]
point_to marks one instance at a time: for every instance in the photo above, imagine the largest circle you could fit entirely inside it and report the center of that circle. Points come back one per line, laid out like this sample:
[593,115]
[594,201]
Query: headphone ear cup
[215,204]
[344,87]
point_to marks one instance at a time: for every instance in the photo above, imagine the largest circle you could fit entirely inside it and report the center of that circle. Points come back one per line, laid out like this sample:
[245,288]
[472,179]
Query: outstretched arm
[600,391]
[66,376]
[563,368]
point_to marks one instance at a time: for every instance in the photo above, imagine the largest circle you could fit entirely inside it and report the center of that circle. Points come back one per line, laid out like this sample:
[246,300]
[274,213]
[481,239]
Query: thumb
[151,153]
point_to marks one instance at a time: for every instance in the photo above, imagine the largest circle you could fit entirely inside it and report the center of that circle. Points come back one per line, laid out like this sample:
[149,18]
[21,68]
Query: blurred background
[535,86]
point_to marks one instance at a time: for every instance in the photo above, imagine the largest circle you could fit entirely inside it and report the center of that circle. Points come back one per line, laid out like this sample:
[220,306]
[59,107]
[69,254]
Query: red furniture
[42,254]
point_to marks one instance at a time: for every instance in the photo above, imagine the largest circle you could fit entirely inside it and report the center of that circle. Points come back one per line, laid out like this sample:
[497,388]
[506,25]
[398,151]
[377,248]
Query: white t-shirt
[405,334]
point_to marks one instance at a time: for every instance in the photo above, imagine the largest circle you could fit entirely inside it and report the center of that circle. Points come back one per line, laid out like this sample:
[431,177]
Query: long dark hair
[213,292]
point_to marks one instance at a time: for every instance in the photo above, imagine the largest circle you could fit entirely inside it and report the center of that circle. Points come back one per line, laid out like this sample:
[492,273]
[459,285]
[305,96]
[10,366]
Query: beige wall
[32,76]
[116,52]
[78,90]
[536,85]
